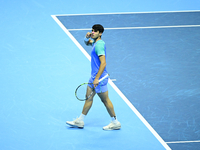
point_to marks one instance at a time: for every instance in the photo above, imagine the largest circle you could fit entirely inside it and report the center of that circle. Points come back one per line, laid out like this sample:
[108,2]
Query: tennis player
[98,67]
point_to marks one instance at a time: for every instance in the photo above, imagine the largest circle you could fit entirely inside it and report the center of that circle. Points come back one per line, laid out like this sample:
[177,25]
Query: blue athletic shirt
[98,48]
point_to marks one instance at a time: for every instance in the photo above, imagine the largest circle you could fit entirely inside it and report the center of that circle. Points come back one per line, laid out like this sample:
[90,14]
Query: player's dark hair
[98,27]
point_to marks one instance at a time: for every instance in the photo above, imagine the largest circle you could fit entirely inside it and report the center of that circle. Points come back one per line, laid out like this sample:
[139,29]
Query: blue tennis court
[153,58]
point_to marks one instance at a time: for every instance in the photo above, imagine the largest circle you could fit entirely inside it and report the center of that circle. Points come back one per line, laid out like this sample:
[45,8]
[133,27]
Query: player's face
[95,34]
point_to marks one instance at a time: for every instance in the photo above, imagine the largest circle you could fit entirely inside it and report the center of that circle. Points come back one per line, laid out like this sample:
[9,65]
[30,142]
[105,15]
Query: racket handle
[103,77]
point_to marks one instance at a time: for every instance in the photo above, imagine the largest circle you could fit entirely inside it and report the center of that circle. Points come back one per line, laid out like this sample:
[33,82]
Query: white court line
[113,79]
[198,141]
[115,87]
[118,13]
[150,27]
[71,37]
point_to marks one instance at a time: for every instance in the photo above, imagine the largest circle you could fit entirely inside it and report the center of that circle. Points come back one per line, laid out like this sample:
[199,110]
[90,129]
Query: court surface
[154,58]
[153,55]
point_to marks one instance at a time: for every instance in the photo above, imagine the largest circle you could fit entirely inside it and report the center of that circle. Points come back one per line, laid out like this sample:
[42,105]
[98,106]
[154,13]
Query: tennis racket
[80,91]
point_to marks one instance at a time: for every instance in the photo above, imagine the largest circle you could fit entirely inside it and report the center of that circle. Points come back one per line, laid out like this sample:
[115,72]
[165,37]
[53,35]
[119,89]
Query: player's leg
[107,102]
[79,122]
[88,102]
[115,124]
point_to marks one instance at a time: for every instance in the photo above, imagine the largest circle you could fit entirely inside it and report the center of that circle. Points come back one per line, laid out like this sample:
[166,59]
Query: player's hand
[88,35]
[95,83]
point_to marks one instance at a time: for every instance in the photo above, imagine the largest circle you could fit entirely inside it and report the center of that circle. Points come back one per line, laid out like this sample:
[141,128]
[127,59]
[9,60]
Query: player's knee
[105,101]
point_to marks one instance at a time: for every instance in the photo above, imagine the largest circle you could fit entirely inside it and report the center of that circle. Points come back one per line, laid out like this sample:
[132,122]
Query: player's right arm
[87,39]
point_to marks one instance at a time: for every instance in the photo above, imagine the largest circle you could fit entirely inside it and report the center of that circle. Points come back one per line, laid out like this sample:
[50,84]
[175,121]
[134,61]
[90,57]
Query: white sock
[114,119]
[82,117]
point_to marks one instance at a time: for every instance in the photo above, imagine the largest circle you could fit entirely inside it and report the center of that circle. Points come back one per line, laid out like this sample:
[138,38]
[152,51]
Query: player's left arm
[102,59]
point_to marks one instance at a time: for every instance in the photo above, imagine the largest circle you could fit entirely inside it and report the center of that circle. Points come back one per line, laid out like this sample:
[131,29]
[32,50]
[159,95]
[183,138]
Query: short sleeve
[100,48]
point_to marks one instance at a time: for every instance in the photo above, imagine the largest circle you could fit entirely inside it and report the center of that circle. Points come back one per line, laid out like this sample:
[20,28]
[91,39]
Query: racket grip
[103,77]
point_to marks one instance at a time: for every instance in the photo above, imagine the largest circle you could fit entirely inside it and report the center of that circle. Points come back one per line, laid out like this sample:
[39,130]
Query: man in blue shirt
[98,70]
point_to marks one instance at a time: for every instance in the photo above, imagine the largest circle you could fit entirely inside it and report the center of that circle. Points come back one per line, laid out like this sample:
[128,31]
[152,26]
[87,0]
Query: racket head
[82,90]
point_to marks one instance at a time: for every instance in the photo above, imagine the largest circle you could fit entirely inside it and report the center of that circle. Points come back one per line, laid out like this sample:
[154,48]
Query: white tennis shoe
[76,123]
[114,125]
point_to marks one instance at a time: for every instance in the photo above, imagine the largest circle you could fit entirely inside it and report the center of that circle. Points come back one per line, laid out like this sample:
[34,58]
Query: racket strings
[81,92]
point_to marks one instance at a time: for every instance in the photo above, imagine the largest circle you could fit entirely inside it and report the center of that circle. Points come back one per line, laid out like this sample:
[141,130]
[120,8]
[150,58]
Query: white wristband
[86,39]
